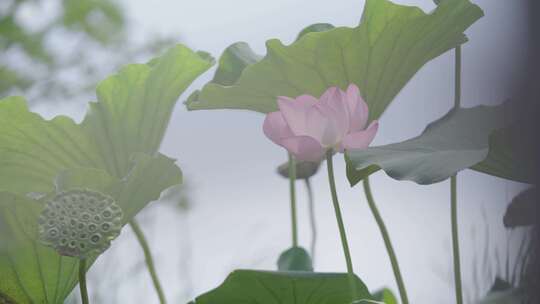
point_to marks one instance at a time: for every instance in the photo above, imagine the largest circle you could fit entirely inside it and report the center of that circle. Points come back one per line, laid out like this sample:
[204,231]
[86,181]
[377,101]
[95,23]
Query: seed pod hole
[53,233]
[95,238]
[107,214]
[105,227]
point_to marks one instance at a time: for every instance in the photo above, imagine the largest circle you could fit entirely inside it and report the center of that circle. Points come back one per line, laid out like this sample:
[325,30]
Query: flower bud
[79,223]
[304,169]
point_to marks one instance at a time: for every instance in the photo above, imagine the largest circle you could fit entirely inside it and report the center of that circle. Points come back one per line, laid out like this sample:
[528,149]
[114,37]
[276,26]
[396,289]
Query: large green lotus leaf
[458,140]
[233,61]
[32,273]
[389,46]
[239,56]
[265,287]
[33,150]
[135,105]
[146,181]
[131,116]
[317,27]
[503,160]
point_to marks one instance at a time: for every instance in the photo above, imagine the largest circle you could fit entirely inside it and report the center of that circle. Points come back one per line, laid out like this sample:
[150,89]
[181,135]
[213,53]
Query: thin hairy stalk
[341,226]
[82,281]
[457,78]
[292,181]
[312,219]
[387,242]
[455,241]
[149,260]
[453,190]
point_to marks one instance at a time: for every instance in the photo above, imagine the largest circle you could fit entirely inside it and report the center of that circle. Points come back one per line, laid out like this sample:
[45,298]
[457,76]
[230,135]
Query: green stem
[341,226]
[292,180]
[149,260]
[82,281]
[387,242]
[453,189]
[312,219]
[455,240]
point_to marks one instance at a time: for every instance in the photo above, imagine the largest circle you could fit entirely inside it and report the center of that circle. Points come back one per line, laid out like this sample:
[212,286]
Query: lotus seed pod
[79,223]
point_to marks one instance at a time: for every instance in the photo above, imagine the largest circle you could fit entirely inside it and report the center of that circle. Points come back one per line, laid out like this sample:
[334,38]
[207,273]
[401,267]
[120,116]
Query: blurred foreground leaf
[114,150]
[265,287]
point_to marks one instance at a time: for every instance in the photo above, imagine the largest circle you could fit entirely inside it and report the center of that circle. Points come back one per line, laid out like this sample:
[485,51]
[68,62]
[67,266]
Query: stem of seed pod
[341,226]
[149,260]
[82,281]
[292,181]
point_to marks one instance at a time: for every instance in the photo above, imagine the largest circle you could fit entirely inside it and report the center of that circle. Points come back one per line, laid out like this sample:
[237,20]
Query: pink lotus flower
[308,127]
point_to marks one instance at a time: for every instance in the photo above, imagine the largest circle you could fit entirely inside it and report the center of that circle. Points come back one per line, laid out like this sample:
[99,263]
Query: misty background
[235,211]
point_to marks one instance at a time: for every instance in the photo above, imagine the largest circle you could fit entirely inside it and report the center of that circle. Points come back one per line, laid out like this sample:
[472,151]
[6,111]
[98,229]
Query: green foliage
[98,26]
[457,141]
[295,259]
[12,79]
[109,152]
[14,34]
[102,20]
[264,287]
[380,55]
